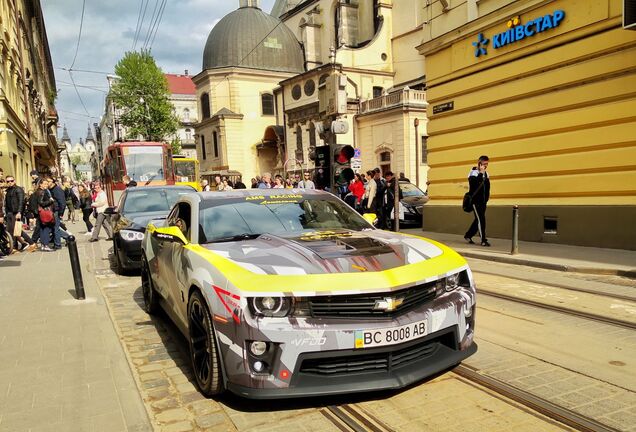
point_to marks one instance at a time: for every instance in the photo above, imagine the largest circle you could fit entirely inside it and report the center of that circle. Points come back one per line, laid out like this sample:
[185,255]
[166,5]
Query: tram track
[581,314]
[534,403]
[352,417]
[561,285]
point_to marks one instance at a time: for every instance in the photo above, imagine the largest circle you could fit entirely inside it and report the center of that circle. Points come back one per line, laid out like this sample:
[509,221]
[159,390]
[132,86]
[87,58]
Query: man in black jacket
[58,210]
[13,203]
[479,183]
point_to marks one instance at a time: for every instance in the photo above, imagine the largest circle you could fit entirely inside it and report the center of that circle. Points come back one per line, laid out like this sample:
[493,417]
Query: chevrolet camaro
[286,293]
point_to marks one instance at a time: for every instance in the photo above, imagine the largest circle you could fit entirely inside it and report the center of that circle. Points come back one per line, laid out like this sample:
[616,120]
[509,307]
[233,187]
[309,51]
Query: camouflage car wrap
[369,310]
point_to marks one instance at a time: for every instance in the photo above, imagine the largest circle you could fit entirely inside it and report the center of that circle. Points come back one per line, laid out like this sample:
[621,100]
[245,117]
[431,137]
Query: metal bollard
[75,268]
[515,230]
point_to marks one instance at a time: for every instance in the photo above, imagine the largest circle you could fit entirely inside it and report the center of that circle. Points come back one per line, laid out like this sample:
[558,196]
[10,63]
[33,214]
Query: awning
[274,134]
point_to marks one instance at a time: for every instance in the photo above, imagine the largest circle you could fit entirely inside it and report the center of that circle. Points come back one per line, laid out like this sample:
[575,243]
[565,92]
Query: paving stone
[178,427]
[167,403]
[211,420]
[172,415]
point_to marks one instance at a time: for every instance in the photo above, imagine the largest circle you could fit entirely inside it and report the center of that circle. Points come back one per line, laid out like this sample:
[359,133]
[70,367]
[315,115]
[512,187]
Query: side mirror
[170,234]
[110,211]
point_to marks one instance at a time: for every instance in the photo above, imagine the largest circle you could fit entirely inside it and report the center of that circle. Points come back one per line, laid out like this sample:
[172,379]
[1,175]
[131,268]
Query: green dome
[250,38]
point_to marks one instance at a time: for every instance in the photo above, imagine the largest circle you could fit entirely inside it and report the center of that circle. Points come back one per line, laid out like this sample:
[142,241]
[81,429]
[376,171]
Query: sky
[108,32]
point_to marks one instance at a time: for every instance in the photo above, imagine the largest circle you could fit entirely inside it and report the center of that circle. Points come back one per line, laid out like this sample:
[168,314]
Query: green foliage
[176,145]
[142,95]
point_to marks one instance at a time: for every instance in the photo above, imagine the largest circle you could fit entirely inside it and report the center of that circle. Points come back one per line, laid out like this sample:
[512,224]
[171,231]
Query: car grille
[363,305]
[380,362]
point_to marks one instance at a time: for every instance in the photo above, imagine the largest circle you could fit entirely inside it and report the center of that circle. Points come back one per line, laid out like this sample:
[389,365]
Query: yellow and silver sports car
[285,293]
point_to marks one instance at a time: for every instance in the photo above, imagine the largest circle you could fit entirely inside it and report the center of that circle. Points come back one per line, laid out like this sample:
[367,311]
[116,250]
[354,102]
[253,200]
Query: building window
[186,114]
[299,139]
[203,147]
[424,149]
[267,104]
[215,143]
[312,135]
[385,162]
[205,105]
[377,91]
[188,134]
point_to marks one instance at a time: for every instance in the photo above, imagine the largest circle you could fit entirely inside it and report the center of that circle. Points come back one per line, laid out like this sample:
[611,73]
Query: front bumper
[129,253]
[316,356]
[435,355]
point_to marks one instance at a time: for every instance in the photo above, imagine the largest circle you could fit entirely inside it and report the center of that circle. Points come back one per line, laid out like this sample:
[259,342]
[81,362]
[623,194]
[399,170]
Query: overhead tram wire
[158,24]
[155,24]
[70,74]
[141,6]
[141,24]
[79,36]
[151,25]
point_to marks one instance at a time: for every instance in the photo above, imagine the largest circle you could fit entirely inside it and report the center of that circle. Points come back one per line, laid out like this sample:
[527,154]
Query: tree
[142,94]
[175,144]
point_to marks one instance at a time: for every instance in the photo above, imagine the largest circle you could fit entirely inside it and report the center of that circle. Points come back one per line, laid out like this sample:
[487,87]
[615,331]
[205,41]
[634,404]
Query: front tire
[203,350]
[151,301]
[6,243]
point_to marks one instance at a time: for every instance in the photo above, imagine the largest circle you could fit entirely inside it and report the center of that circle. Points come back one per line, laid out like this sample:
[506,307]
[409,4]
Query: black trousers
[479,223]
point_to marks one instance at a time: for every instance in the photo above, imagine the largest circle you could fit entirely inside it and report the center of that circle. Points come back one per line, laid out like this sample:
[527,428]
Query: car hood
[139,221]
[323,252]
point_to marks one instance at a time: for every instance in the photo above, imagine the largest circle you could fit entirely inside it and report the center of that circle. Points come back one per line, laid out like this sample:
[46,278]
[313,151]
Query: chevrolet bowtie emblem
[388,304]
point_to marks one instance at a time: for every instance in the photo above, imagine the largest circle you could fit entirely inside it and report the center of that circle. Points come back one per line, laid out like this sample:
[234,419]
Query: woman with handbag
[45,215]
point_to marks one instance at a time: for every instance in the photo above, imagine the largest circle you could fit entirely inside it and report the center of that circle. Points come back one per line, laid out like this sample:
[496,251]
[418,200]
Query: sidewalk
[62,367]
[543,255]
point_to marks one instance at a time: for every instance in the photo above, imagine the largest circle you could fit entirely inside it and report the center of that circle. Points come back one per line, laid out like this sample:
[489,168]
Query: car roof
[239,193]
[168,187]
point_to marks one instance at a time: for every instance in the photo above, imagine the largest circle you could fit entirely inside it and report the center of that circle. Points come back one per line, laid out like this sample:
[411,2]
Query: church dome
[250,38]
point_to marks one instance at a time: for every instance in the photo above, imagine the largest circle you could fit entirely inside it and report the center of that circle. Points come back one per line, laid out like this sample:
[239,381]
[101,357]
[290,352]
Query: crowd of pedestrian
[35,215]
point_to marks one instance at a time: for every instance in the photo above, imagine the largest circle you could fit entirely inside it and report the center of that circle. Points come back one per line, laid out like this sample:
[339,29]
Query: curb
[551,266]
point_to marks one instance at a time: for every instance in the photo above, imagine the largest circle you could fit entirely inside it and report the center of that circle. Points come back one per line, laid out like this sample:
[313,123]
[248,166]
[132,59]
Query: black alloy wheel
[151,301]
[6,243]
[203,349]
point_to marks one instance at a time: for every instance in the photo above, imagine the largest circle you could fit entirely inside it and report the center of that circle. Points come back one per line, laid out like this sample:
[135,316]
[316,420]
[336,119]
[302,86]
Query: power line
[77,114]
[79,36]
[83,71]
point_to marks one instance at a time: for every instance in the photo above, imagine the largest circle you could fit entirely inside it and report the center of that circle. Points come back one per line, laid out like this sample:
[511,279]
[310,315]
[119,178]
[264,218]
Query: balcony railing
[405,97]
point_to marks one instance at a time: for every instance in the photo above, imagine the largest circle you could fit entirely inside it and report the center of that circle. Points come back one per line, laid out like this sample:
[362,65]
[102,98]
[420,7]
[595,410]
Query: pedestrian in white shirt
[100,205]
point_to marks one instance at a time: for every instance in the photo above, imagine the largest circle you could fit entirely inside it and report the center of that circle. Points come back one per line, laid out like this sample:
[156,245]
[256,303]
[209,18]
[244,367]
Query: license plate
[390,336]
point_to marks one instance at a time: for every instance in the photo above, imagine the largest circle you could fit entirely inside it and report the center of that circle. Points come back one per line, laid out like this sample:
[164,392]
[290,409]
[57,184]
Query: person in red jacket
[356,187]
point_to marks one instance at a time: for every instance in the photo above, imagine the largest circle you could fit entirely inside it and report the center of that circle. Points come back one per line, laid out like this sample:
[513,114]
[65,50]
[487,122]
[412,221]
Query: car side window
[174,213]
[182,219]
[122,202]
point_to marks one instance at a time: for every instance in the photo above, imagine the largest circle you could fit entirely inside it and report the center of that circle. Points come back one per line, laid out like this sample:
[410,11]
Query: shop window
[267,104]
[550,225]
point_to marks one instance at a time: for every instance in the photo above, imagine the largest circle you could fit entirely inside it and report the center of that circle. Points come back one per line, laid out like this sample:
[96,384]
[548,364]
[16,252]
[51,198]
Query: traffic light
[342,172]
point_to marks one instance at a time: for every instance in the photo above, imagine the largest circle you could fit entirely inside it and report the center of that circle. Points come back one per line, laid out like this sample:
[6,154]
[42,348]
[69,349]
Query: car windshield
[276,214]
[145,200]
[184,170]
[409,189]
[143,167]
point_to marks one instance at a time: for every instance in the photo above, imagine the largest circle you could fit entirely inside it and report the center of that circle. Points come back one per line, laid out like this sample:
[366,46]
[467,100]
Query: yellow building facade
[27,91]
[546,89]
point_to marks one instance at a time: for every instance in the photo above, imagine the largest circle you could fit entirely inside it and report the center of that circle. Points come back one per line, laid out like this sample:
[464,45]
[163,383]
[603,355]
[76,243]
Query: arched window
[267,104]
[186,115]
[205,106]
[299,139]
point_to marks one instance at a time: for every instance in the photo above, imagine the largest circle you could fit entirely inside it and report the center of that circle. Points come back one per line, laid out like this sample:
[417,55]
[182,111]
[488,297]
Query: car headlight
[452,282]
[130,235]
[270,306]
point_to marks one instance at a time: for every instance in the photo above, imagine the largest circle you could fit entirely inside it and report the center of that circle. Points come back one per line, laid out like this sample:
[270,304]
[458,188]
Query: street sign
[357,153]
